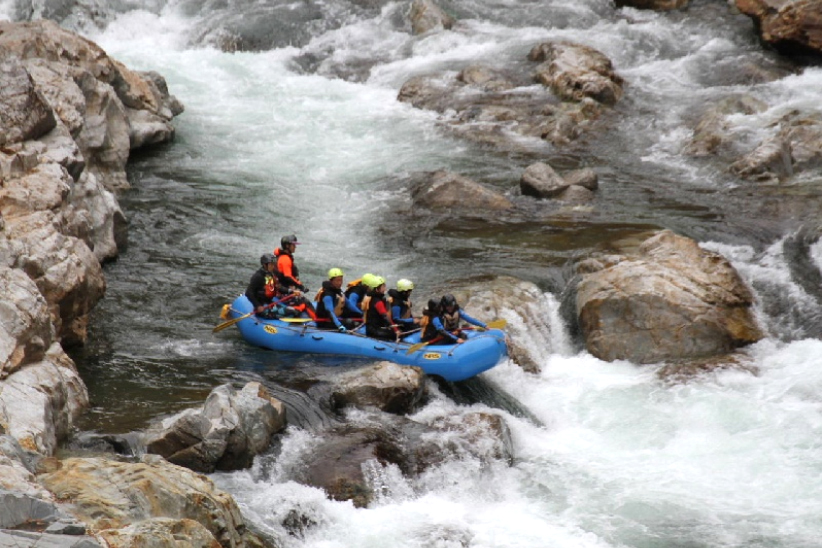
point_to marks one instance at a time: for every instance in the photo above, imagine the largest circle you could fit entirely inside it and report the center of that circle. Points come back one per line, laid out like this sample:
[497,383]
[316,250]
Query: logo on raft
[431,356]
[270,329]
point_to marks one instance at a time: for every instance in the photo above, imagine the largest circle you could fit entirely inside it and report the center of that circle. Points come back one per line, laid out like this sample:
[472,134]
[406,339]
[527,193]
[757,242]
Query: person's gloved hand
[342,329]
[304,288]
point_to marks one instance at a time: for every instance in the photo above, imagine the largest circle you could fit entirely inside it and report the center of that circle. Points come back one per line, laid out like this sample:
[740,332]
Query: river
[302,133]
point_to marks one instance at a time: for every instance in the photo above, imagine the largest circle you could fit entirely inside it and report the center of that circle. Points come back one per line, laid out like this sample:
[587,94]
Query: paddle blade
[295,320]
[497,324]
[414,347]
[229,323]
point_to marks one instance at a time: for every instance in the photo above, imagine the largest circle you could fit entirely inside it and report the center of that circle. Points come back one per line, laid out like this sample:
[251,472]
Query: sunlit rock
[671,300]
[107,494]
[24,113]
[160,533]
[230,429]
[40,401]
[26,330]
[386,386]
[790,27]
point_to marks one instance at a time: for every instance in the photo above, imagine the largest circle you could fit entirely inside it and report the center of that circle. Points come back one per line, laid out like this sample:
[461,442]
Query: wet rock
[586,178]
[497,107]
[770,161]
[574,72]
[336,464]
[481,436]
[658,5]
[386,386]
[672,300]
[425,16]
[713,131]
[541,181]
[790,27]
[446,190]
[231,428]
[576,194]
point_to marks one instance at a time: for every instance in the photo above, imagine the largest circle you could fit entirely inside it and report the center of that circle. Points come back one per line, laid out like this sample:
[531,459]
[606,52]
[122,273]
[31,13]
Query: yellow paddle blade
[229,323]
[414,347]
[497,324]
[295,320]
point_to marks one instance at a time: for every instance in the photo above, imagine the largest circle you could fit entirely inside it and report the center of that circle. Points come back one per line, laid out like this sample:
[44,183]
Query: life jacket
[337,297]
[400,298]
[295,272]
[271,285]
[427,326]
[357,287]
[451,322]
[374,319]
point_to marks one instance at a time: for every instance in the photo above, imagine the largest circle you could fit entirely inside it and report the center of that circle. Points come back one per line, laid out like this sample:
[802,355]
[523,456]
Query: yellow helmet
[335,273]
[405,285]
[367,279]
[374,281]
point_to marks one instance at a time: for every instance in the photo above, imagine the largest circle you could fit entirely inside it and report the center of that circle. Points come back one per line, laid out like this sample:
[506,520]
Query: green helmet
[405,285]
[367,279]
[335,273]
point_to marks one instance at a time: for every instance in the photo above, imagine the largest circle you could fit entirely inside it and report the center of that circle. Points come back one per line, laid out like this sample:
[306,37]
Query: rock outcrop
[790,27]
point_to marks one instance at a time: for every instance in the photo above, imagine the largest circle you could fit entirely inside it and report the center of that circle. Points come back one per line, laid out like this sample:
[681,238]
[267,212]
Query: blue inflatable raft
[453,362]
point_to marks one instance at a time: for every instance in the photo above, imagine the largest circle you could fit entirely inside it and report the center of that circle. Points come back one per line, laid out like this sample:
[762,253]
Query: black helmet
[448,300]
[290,239]
[267,258]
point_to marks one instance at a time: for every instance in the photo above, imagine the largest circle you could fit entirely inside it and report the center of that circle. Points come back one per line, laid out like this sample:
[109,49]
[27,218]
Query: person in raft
[356,290]
[331,303]
[288,275]
[442,321]
[378,324]
[262,290]
[400,301]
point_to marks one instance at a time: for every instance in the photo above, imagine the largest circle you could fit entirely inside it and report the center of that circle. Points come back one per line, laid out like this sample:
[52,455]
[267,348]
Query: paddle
[495,324]
[232,321]
[295,320]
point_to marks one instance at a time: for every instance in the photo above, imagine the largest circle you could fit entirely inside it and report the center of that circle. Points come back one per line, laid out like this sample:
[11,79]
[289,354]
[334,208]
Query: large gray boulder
[672,300]
[231,428]
[385,386]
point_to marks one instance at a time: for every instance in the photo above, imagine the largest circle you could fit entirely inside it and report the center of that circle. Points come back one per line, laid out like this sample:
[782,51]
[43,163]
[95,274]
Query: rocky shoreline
[69,118]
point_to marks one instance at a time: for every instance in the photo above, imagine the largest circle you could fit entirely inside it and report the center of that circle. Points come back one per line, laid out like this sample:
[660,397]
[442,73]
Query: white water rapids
[623,459]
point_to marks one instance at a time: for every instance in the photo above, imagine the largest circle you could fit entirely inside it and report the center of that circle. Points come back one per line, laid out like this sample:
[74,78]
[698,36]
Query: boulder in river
[671,301]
